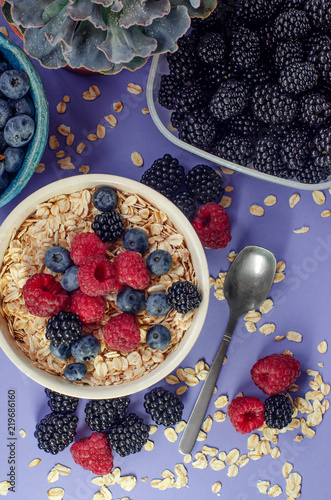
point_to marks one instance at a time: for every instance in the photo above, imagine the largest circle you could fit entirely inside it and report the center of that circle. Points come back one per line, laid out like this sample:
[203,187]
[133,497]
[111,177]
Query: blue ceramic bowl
[18,60]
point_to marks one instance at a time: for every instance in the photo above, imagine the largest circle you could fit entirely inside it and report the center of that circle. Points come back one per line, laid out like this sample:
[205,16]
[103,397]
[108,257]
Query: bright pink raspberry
[246,414]
[212,225]
[44,296]
[93,453]
[122,332]
[88,309]
[97,276]
[131,270]
[275,373]
[85,245]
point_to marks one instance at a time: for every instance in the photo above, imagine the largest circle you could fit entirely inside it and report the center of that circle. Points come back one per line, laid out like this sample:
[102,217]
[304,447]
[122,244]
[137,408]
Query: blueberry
[130,300]
[4,181]
[62,351]
[14,83]
[157,305]
[13,159]
[105,198]
[57,259]
[75,371]
[159,262]
[158,337]
[136,240]
[69,280]
[19,130]
[86,348]
[23,106]
[5,113]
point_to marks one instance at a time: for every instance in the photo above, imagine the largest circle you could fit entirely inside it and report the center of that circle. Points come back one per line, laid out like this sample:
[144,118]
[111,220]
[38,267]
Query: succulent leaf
[103,36]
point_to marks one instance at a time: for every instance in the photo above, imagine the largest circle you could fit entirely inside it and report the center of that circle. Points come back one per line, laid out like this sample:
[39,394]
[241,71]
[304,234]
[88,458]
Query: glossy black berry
[204,184]
[56,431]
[165,407]
[278,411]
[165,175]
[63,328]
[183,296]
[186,203]
[229,100]
[109,226]
[129,435]
[60,403]
[102,413]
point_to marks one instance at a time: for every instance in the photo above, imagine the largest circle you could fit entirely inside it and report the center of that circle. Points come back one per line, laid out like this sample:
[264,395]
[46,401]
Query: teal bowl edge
[18,60]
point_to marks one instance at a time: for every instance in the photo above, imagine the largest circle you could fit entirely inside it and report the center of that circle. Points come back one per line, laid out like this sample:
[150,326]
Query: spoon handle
[194,423]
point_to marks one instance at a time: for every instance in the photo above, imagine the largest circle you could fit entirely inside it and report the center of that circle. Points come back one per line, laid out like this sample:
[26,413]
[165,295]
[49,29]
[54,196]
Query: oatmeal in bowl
[138,310]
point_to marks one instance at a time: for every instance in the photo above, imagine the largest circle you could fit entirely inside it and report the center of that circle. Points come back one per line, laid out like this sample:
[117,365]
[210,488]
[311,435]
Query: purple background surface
[301,303]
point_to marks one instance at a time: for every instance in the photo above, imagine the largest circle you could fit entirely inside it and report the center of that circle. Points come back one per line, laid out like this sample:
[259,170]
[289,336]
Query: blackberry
[287,52]
[198,128]
[245,48]
[183,296]
[176,119]
[183,64]
[102,413]
[109,226]
[211,48]
[258,76]
[229,100]
[168,88]
[215,75]
[235,148]
[268,159]
[60,403]
[321,148]
[128,436]
[312,174]
[298,77]
[315,109]
[165,407]
[63,328]
[165,175]
[278,411]
[186,203]
[56,431]
[291,24]
[271,105]
[319,12]
[204,183]
[319,53]
[257,12]
[245,125]
[189,98]
[294,148]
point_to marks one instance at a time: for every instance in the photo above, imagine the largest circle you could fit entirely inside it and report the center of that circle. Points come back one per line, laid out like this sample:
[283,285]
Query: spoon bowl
[246,286]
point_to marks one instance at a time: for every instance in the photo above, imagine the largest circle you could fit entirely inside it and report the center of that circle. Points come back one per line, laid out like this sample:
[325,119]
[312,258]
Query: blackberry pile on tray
[252,84]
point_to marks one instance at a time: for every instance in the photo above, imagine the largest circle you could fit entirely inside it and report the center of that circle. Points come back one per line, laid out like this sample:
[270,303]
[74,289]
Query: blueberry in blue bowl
[22,91]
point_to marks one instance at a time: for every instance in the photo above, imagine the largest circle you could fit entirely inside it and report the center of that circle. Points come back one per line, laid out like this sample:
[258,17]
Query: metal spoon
[246,286]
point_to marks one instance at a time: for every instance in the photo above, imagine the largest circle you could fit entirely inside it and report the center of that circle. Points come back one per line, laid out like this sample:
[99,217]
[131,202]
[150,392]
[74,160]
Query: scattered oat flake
[63,129]
[216,487]
[280,267]
[279,277]
[170,434]
[294,199]
[92,93]
[256,210]
[232,456]
[318,197]
[137,159]
[266,306]
[84,169]
[118,106]
[278,338]
[127,482]
[4,487]
[322,347]
[233,470]
[202,436]
[263,486]
[207,424]
[80,148]
[227,171]
[225,201]
[267,328]
[34,462]
[61,107]
[275,452]
[70,139]
[134,88]
[22,433]
[111,119]
[303,229]
[40,168]
[228,189]
[253,316]
[92,137]
[326,213]
[61,153]
[53,476]
[101,131]
[181,390]
[53,142]
[219,416]
[180,426]
[149,445]
[55,493]
[270,200]
[294,336]
[66,98]
[145,111]
[221,401]
[275,491]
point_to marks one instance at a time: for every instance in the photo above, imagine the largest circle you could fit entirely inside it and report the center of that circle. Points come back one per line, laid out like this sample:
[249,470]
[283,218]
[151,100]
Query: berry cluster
[273,374]
[265,66]
[79,299]
[202,186]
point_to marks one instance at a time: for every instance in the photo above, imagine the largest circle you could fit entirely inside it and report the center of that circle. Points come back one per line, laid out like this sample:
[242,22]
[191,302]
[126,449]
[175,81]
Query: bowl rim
[71,185]
[19,60]
[151,94]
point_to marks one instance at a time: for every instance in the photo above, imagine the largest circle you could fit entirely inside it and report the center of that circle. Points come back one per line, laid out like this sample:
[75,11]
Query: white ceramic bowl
[183,226]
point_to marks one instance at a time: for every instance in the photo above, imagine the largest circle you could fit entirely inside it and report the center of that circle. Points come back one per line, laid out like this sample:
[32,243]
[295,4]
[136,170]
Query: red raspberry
[131,270]
[122,332]
[275,373]
[88,309]
[85,245]
[212,225]
[44,296]
[246,414]
[96,276]
[93,453]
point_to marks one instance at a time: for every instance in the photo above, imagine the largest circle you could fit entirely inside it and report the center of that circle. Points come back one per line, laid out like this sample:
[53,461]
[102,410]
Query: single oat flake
[322,347]
[270,200]
[303,229]
[294,199]
[256,210]
[137,159]
[134,88]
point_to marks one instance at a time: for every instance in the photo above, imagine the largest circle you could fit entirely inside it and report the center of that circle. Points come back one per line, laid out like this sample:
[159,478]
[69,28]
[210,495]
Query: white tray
[161,118]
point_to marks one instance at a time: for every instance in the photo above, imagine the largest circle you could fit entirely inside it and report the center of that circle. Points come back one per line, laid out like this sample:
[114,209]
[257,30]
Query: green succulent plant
[103,36]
